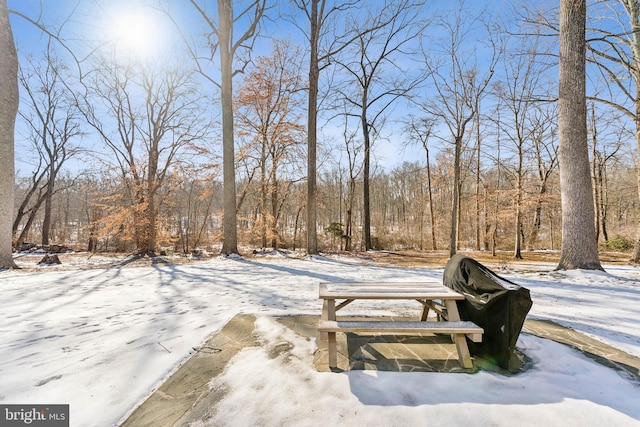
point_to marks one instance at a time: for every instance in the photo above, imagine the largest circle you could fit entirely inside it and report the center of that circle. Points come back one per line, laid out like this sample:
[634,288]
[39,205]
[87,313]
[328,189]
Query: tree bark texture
[229,231]
[8,110]
[312,189]
[579,244]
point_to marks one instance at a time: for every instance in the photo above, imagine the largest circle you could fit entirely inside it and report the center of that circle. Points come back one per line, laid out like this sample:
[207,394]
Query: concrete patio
[185,396]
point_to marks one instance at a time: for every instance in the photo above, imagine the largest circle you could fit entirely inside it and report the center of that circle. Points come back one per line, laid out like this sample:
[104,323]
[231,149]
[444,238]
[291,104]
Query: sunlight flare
[136,33]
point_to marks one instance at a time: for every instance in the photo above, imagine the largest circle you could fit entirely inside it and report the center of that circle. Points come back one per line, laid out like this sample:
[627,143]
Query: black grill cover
[496,304]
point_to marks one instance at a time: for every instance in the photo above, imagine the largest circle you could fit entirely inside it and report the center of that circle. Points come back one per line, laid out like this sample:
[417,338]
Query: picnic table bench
[432,296]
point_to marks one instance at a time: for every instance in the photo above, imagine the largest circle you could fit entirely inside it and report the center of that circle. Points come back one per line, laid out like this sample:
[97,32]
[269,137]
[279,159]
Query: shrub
[334,229]
[619,243]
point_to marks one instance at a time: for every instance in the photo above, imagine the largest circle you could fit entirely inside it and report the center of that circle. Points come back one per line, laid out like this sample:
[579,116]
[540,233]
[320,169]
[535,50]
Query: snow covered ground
[101,339]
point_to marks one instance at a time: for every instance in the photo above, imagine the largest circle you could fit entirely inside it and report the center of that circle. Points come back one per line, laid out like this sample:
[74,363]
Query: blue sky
[89,23]
[84,25]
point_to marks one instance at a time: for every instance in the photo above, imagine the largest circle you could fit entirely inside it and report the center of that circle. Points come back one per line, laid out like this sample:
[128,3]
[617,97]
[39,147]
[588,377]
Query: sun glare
[136,33]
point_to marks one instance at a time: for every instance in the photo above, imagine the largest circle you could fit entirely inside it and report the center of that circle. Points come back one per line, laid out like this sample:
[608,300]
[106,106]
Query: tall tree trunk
[263,192]
[151,223]
[431,212]
[635,257]
[453,237]
[348,244]
[152,189]
[478,151]
[229,232]
[274,205]
[594,171]
[366,203]
[48,202]
[517,253]
[579,244]
[494,232]
[603,202]
[295,226]
[151,220]
[141,219]
[312,190]
[487,224]
[537,217]
[633,9]
[8,111]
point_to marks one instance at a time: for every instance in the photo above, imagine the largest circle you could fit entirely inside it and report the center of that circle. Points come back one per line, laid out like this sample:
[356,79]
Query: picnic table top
[387,290]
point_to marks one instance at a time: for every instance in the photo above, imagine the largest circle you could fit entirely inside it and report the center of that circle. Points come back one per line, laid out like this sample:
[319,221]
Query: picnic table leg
[425,310]
[333,350]
[324,316]
[452,310]
[460,339]
[328,313]
[463,351]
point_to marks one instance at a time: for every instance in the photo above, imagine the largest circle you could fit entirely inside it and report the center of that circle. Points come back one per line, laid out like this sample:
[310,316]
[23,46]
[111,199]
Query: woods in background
[432,129]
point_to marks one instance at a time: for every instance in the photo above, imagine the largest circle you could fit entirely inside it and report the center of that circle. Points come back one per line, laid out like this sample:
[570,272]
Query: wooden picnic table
[432,296]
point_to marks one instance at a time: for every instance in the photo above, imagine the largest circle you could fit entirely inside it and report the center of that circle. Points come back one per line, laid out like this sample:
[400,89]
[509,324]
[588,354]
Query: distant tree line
[282,147]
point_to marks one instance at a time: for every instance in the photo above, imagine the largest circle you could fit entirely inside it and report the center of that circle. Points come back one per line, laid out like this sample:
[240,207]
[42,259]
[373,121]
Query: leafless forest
[431,117]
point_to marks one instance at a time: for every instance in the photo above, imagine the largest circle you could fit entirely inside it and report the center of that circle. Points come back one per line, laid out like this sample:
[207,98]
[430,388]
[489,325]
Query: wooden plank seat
[458,329]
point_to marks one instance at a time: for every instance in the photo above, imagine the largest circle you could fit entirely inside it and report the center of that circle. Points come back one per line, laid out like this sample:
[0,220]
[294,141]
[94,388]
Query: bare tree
[545,146]
[316,19]
[604,151]
[323,46]
[267,118]
[521,93]
[31,202]
[375,80]
[8,110]
[193,198]
[613,43]
[146,119]
[458,85]
[421,130]
[616,54]
[221,38]
[353,148]
[579,244]
[53,122]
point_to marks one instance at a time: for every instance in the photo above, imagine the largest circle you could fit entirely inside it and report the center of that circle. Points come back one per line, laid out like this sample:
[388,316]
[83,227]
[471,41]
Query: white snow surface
[102,339]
